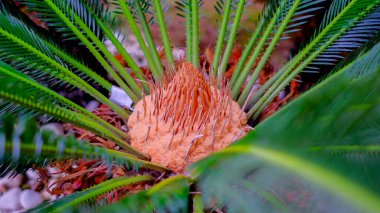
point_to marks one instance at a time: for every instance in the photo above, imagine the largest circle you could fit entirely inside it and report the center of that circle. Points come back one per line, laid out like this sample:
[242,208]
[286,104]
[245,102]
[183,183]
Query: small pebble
[9,182]
[92,105]
[56,128]
[32,174]
[32,178]
[179,53]
[30,199]
[10,200]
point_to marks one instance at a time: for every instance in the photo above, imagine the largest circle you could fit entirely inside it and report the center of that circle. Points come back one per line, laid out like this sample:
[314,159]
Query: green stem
[221,36]
[136,92]
[247,51]
[197,204]
[195,32]
[148,36]
[251,62]
[136,31]
[126,56]
[164,33]
[231,39]
[269,83]
[189,40]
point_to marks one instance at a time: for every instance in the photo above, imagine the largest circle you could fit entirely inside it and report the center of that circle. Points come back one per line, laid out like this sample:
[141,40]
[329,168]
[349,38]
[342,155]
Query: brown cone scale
[185,120]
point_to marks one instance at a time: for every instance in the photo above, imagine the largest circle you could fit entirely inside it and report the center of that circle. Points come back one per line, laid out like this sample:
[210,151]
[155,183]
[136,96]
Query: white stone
[30,199]
[56,128]
[10,200]
[92,105]
[32,174]
[119,97]
[11,182]
[179,53]
[32,178]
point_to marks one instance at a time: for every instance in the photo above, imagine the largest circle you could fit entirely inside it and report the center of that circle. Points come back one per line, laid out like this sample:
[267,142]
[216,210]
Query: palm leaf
[42,102]
[340,22]
[170,195]
[90,195]
[11,76]
[72,16]
[323,153]
[281,17]
[24,146]
[30,53]
[102,15]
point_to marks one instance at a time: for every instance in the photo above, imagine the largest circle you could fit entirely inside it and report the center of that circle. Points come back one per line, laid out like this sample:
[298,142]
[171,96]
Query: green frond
[43,102]
[27,51]
[354,38]
[72,16]
[326,145]
[72,7]
[24,146]
[356,20]
[99,11]
[20,28]
[21,112]
[170,195]
[357,55]
[9,75]
[90,197]
[282,20]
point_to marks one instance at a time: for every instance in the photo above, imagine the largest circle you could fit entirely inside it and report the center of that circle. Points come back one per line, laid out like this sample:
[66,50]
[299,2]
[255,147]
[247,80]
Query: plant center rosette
[185,120]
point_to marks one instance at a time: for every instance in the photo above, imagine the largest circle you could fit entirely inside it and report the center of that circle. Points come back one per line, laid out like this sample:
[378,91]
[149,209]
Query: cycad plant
[319,153]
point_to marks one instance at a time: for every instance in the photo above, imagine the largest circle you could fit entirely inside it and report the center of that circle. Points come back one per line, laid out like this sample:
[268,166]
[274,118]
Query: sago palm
[318,153]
